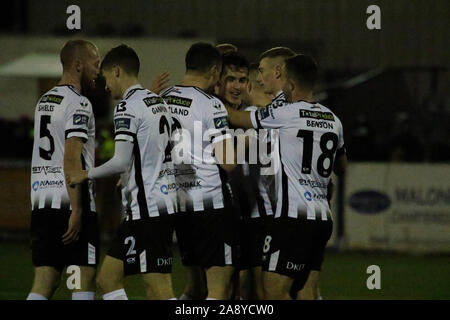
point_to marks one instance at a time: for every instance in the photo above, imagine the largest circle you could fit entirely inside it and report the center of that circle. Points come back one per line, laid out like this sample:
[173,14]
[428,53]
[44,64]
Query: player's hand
[160,83]
[76,177]
[73,231]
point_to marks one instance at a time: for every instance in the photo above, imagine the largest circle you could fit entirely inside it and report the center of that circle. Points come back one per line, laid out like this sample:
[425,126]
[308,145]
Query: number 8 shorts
[293,247]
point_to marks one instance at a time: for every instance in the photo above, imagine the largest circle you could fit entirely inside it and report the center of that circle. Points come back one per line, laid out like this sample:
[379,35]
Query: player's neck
[194,80]
[275,92]
[127,83]
[69,79]
[303,96]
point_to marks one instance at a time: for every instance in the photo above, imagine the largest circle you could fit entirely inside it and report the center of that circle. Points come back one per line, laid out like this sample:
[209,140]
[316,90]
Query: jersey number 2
[45,133]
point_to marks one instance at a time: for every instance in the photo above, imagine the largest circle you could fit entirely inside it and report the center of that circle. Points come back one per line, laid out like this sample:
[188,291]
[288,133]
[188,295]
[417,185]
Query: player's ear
[116,71]
[278,71]
[249,87]
[213,71]
[78,65]
[291,84]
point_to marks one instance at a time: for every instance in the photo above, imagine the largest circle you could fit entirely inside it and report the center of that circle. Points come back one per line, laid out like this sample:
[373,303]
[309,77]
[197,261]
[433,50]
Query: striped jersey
[310,137]
[148,186]
[200,120]
[261,177]
[61,113]
[266,175]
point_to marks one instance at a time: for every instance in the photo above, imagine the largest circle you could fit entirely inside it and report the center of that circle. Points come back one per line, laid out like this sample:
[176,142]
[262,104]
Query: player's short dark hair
[253,66]
[283,52]
[202,56]
[123,56]
[235,59]
[72,49]
[302,69]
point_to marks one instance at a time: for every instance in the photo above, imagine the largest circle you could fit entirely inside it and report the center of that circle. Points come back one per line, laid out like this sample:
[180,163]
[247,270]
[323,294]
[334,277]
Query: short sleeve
[269,117]
[126,122]
[77,118]
[216,122]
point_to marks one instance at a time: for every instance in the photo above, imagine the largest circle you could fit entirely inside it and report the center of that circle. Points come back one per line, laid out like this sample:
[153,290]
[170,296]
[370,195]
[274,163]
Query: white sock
[86,295]
[36,296]
[211,298]
[319,298]
[116,295]
[173,298]
[184,296]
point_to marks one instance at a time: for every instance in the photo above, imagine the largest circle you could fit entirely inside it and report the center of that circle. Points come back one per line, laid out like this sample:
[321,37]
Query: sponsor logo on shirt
[150,101]
[80,119]
[35,186]
[51,98]
[312,183]
[308,195]
[316,115]
[122,123]
[46,169]
[47,184]
[178,101]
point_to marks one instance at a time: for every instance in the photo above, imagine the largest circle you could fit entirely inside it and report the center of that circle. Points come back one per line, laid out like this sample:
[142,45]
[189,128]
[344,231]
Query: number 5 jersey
[60,114]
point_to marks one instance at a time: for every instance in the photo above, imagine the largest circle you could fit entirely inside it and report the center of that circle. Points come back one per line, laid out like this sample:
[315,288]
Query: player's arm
[240,119]
[340,164]
[119,163]
[160,83]
[225,154]
[72,162]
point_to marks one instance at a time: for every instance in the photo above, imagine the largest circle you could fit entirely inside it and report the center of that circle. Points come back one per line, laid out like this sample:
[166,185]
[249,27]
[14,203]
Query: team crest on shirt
[80,119]
[221,122]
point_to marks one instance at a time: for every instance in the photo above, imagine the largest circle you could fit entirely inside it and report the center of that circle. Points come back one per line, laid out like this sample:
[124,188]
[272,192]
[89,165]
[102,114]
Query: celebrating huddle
[251,227]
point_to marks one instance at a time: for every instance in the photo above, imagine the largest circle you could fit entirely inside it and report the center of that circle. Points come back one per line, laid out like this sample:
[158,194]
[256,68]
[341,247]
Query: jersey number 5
[327,152]
[45,133]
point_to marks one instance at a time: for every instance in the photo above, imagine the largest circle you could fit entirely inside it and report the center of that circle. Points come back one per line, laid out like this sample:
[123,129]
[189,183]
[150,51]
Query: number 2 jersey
[148,186]
[310,137]
[60,114]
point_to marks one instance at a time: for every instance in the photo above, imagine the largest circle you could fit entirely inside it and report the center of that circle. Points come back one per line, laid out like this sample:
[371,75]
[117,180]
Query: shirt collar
[132,88]
[278,95]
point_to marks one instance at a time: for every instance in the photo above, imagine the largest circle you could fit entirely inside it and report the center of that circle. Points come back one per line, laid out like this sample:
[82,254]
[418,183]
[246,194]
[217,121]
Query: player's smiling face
[233,84]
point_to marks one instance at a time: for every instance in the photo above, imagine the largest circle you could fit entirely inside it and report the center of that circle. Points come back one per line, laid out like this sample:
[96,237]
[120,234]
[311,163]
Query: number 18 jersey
[60,114]
[310,137]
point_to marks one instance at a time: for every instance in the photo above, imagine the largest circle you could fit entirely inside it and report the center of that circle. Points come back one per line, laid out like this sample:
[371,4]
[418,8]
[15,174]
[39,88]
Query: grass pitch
[343,276]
